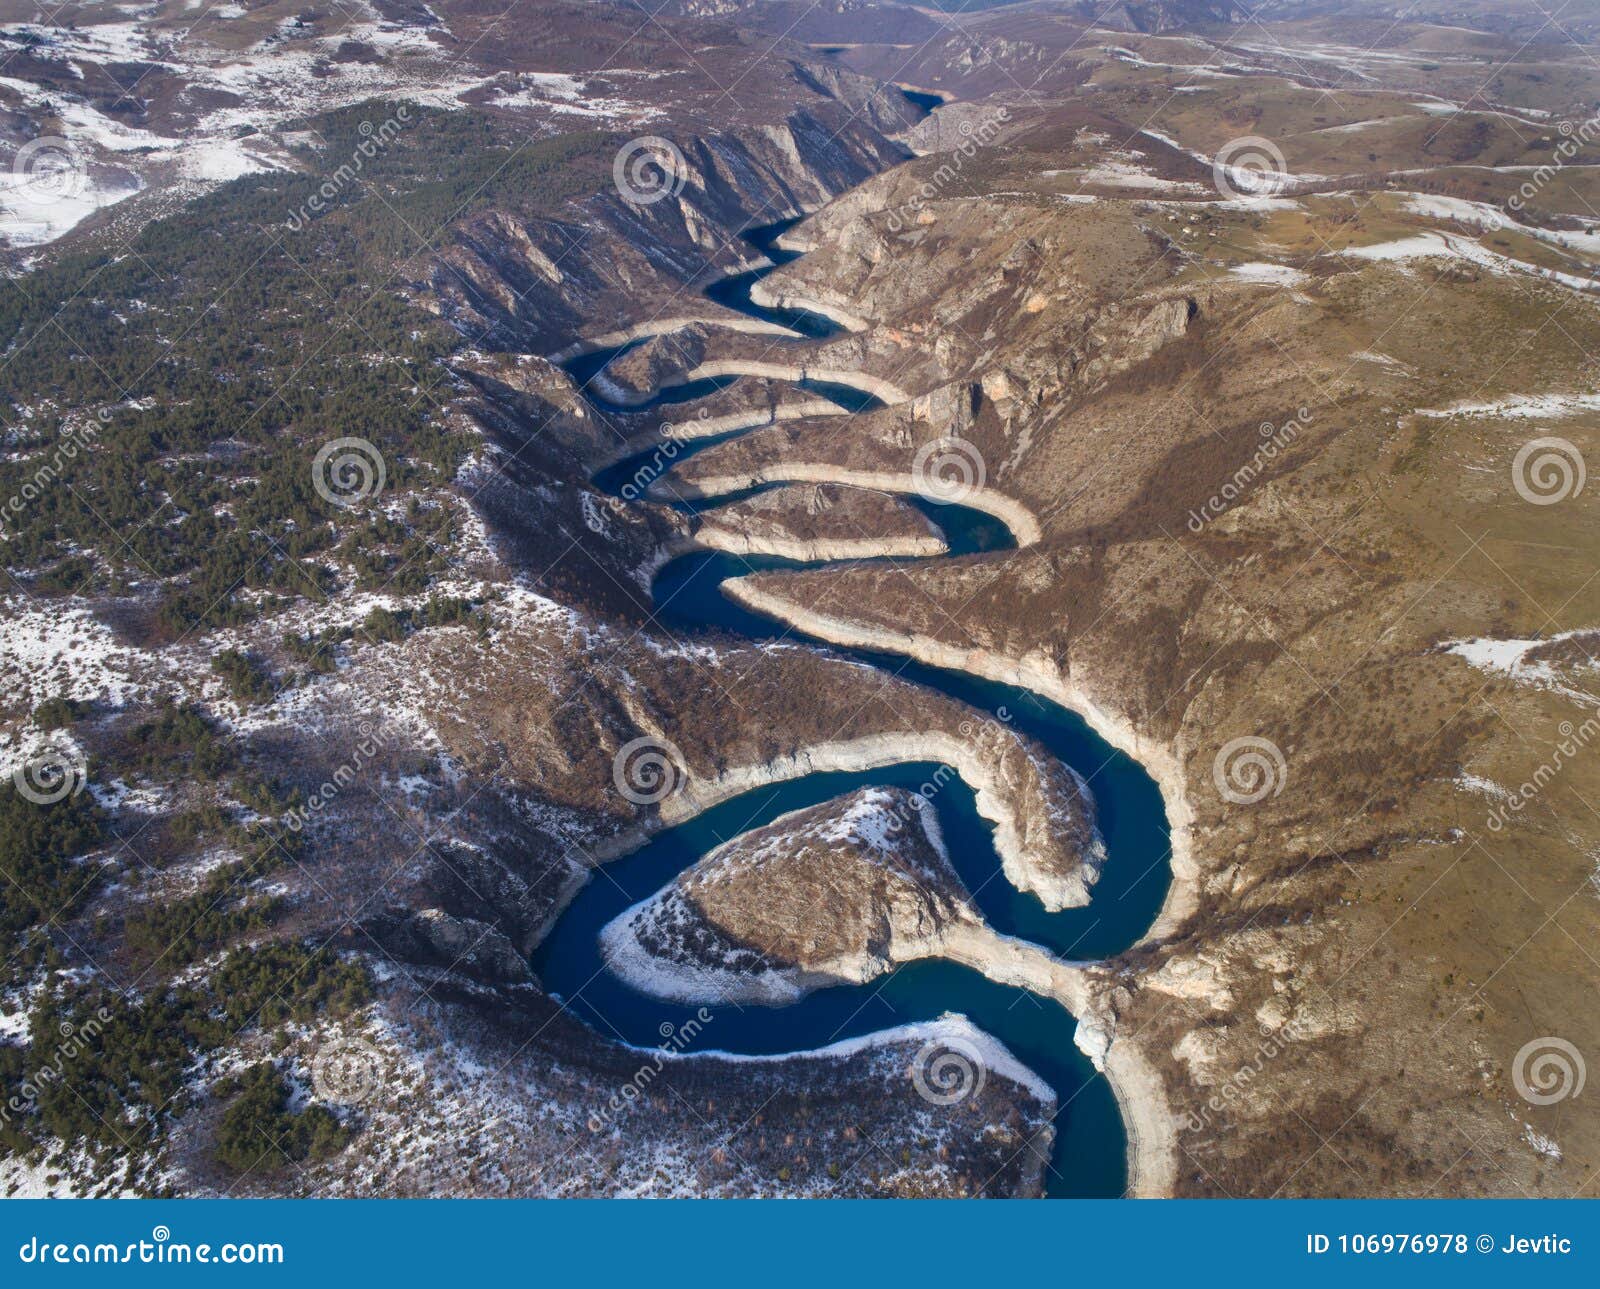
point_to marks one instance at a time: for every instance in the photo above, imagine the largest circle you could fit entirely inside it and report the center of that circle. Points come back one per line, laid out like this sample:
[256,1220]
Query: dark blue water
[924,99]
[733,292]
[1089,1154]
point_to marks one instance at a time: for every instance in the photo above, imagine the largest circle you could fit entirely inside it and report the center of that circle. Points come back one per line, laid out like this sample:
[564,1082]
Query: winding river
[1089,1155]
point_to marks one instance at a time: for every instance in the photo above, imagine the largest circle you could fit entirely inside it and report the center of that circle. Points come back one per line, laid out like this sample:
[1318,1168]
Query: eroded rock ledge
[1042,811]
[837,893]
[814,524]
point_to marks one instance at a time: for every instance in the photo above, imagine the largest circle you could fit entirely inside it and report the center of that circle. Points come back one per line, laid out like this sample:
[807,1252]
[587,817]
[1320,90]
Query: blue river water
[1089,1153]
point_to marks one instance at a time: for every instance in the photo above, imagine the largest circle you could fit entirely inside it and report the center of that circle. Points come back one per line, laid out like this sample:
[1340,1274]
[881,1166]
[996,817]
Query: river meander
[1089,1154]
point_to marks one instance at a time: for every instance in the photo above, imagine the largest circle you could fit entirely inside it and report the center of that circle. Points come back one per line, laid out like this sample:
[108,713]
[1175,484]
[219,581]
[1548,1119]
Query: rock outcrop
[838,893]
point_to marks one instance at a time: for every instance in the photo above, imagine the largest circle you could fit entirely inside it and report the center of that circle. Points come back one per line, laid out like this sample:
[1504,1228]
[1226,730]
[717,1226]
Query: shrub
[39,845]
[260,1131]
[246,677]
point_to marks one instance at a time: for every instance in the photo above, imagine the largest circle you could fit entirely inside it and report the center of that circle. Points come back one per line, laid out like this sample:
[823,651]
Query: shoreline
[769,299]
[1023,865]
[1140,1092]
[665,327]
[861,382]
[711,426]
[836,550]
[1013,514]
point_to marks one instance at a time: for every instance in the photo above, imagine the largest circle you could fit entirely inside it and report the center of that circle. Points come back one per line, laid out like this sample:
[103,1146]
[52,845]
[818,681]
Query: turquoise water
[1089,1156]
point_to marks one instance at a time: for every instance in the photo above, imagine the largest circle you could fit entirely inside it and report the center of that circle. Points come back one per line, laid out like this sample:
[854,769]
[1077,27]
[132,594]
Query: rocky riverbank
[1141,1092]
